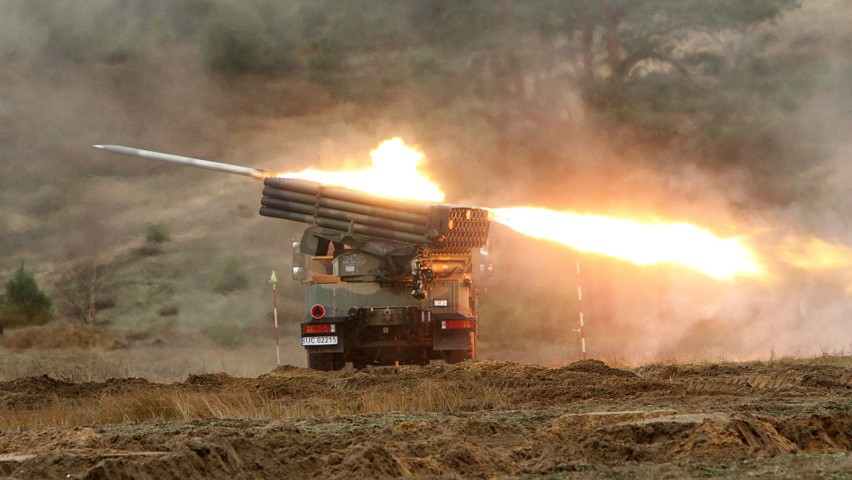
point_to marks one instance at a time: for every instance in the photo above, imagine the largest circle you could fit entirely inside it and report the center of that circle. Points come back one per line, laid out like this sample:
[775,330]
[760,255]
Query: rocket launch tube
[349,211]
[341,215]
[344,226]
[319,190]
[345,206]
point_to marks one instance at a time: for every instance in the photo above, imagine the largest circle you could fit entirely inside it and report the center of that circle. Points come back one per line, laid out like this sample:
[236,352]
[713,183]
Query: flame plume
[813,254]
[637,242]
[394,173]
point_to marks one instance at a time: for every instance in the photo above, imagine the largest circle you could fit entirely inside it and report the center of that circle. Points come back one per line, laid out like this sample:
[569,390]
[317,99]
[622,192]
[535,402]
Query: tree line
[703,76]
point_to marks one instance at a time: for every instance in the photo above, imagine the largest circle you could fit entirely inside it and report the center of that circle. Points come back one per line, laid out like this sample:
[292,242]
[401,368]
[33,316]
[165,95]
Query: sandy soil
[585,420]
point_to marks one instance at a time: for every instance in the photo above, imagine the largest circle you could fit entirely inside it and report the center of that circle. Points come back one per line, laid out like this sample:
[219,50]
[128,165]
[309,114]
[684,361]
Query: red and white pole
[274,282]
[582,322]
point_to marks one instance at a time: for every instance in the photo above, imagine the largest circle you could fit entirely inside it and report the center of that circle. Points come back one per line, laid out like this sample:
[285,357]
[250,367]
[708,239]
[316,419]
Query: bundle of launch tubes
[443,228]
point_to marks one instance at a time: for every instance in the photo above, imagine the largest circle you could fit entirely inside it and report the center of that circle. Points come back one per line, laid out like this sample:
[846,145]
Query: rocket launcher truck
[388,281]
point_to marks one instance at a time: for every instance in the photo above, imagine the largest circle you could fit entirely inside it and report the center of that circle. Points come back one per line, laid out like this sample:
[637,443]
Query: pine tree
[24,301]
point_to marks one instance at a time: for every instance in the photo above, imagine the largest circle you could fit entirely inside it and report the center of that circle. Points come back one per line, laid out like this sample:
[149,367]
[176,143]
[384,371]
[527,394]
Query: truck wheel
[325,361]
[456,356]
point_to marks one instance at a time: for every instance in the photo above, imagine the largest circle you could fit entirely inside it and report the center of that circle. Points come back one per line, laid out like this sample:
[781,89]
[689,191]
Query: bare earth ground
[488,419]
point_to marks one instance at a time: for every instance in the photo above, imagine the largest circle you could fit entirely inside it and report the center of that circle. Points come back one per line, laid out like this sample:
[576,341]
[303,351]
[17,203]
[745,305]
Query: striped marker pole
[274,281]
[582,323]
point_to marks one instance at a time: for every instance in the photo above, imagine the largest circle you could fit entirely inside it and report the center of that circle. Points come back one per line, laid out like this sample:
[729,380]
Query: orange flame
[812,254]
[394,174]
[637,242]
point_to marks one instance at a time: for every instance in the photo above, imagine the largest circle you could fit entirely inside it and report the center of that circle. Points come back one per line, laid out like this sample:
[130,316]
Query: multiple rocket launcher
[401,292]
[352,215]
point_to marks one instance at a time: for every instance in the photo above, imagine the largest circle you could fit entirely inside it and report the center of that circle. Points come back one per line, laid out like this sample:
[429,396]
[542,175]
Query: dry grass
[153,405]
[178,404]
[64,335]
[837,358]
[182,402]
[424,396]
[162,364]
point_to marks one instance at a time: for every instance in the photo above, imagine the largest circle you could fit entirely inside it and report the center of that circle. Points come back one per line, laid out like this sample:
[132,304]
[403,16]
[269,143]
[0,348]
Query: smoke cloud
[661,313]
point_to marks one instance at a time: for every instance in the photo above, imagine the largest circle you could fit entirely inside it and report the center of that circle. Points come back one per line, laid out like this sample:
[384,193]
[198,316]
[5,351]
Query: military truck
[389,282]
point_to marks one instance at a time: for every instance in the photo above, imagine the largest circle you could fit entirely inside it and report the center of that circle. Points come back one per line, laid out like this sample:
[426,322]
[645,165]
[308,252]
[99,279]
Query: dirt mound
[817,433]
[33,392]
[597,367]
[470,420]
[208,380]
[617,437]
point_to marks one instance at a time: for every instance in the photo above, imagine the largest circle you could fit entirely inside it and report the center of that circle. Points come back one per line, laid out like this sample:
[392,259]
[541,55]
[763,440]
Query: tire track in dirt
[735,379]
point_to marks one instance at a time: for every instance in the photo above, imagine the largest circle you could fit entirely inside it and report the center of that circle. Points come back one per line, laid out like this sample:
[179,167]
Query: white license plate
[324,340]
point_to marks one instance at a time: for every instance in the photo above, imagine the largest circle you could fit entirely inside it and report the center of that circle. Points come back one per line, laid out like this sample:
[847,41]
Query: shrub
[155,236]
[24,303]
[231,277]
[157,233]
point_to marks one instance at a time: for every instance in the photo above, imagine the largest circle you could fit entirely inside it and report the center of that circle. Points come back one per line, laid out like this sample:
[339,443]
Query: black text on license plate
[322,340]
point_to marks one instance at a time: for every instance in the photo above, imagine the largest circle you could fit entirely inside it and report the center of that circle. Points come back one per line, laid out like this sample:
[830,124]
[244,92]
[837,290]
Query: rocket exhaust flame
[818,256]
[394,174]
[637,242]
[813,254]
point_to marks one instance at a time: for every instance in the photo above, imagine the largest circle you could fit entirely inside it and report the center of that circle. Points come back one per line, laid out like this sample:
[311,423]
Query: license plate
[324,340]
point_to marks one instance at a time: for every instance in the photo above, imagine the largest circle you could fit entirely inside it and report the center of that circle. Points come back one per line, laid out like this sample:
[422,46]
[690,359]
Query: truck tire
[456,356]
[325,361]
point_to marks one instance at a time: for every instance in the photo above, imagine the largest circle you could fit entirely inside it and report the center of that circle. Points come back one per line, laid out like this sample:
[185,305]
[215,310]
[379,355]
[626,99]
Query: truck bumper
[451,340]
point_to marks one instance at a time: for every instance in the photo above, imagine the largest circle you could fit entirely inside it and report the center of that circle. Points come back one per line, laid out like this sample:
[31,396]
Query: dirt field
[486,419]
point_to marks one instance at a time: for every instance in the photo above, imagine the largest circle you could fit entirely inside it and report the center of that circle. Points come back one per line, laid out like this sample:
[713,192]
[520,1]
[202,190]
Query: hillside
[753,147]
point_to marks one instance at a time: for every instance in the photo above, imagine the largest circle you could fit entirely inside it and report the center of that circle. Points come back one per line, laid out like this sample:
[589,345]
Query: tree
[82,287]
[24,302]
[80,290]
[659,30]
